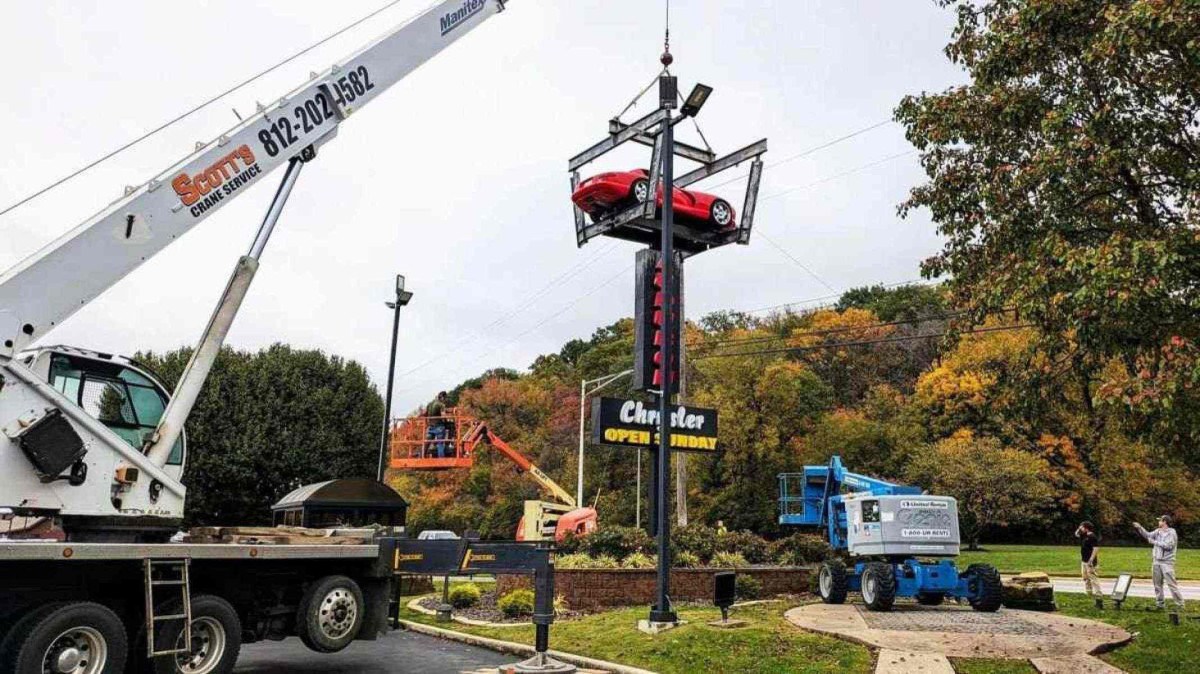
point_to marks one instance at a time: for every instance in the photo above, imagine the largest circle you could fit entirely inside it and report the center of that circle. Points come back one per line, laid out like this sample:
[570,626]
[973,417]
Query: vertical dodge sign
[632,423]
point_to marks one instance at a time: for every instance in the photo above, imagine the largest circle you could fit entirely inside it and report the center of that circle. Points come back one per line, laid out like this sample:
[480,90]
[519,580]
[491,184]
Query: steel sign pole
[662,612]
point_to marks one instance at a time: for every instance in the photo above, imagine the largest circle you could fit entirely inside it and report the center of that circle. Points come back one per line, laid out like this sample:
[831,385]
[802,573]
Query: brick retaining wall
[591,589]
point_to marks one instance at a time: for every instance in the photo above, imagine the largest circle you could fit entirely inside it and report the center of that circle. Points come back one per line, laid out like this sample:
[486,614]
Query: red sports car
[600,195]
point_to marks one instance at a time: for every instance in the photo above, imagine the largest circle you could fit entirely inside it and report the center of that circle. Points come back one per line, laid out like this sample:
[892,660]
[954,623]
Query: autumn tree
[1063,179]
[996,486]
[848,350]
[980,384]
[765,405]
[869,446]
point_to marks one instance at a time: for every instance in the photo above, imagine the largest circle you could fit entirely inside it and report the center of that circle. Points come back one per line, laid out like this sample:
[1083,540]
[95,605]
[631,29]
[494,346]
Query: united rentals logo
[455,19]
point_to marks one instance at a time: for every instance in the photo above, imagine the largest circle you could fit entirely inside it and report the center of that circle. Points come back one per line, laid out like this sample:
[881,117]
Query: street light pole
[579,476]
[403,297]
[600,382]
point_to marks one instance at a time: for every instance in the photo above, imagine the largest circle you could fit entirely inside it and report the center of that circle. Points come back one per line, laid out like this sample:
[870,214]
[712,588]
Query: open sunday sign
[632,423]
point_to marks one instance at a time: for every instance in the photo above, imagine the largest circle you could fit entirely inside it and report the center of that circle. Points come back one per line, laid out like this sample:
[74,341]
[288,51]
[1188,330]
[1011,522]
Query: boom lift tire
[832,584]
[879,586]
[990,593]
[79,636]
[330,614]
[216,638]
[930,598]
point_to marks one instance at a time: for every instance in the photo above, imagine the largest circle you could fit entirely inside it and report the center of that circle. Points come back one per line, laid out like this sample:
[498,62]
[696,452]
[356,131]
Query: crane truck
[900,539]
[93,448]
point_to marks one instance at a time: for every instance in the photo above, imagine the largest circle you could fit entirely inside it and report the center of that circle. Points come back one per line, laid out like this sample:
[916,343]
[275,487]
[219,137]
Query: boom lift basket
[416,444]
[639,222]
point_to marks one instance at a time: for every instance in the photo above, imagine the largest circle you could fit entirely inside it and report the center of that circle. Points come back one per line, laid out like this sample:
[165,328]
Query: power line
[838,345]
[791,257]
[768,239]
[830,331]
[843,174]
[810,300]
[541,323]
[201,106]
[570,273]
[822,181]
[810,151]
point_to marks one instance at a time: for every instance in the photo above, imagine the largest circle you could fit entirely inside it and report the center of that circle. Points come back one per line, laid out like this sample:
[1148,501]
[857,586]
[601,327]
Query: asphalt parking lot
[399,652]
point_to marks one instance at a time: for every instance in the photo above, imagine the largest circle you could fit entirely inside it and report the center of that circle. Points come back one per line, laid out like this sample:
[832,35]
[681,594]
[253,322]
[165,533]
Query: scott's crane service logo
[455,19]
[209,187]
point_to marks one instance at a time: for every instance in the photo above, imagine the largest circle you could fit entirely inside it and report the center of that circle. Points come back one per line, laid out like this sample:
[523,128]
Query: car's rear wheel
[640,191]
[721,213]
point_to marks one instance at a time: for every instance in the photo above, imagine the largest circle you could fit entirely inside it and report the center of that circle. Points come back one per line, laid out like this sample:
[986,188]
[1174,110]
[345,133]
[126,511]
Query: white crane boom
[61,408]
[49,286]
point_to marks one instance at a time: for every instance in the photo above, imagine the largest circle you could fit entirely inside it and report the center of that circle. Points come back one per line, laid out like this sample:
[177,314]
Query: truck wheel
[879,586]
[330,614]
[987,594]
[67,638]
[216,639]
[831,582]
[930,598]
[18,625]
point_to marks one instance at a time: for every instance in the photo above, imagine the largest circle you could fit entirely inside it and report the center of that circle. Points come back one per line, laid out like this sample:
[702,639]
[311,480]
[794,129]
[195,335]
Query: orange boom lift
[415,444]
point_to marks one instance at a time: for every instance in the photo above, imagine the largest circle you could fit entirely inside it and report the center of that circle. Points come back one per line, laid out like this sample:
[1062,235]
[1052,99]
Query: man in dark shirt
[1089,558]
[436,429]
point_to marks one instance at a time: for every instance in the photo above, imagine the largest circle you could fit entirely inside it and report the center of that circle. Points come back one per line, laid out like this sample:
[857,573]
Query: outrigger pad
[51,444]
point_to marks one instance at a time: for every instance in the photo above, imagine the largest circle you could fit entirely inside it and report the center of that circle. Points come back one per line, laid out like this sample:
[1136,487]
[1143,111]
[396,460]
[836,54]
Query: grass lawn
[984,666]
[1159,646]
[768,645]
[772,645]
[1064,560]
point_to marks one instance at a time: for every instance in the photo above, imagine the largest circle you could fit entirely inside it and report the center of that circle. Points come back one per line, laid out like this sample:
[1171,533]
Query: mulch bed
[487,611]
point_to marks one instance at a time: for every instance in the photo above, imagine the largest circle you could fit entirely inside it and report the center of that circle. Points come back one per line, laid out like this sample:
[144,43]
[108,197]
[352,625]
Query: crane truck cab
[76,446]
[119,392]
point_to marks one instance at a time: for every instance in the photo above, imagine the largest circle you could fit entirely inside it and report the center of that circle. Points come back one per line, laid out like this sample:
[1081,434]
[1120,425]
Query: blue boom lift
[902,539]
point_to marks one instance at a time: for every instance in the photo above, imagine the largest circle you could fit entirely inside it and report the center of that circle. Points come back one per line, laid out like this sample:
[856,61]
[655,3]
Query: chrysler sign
[632,423]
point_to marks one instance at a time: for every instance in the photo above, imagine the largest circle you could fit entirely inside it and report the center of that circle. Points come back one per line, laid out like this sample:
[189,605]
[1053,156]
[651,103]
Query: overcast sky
[456,177]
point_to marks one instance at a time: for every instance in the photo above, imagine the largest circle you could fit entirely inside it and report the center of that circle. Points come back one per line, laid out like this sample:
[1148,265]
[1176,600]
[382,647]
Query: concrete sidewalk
[1142,587]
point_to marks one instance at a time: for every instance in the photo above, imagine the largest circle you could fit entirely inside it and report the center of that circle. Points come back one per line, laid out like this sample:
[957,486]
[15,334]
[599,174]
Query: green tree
[904,303]
[995,486]
[268,422]
[1063,178]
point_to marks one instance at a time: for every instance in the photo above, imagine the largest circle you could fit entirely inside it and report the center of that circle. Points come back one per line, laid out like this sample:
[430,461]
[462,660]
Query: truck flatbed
[39,550]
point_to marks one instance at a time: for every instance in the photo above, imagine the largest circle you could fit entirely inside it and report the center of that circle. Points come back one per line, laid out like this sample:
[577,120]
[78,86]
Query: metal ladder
[168,573]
